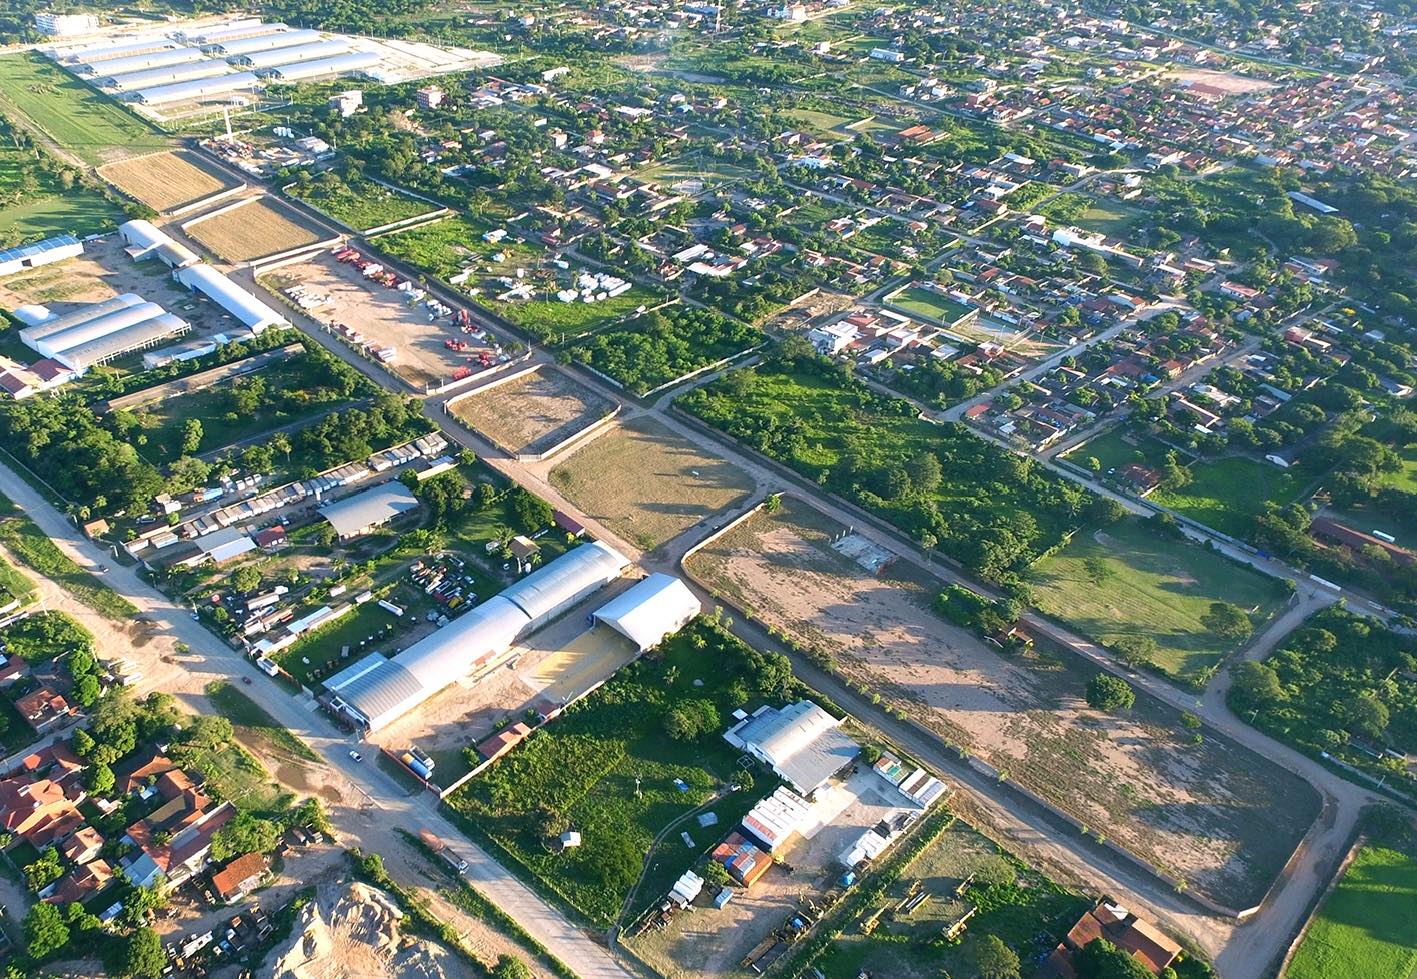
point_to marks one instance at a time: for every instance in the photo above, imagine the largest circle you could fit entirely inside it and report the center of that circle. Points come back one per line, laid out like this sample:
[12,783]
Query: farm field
[928,305]
[1364,928]
[1152,587]
[360,205]
[647,483]
[1214,814]
[74,116]
[584,767]
[533,412]
[1025,909]
[1227,494]
[254,230]
[166,181]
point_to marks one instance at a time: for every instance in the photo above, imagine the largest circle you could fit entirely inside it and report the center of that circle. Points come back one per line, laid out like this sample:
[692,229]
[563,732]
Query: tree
[717,874]
[531,512]
[246,579]
[995,960]
[208,731]
[44,871]
[1228,621]
[99,779]
[87,690]
[82,742]
[691,720]
[1097,569]
[191,435]
[1107,692]
[246,833]
[1100,959]
[510,967]
[45,931]
[1257,685]
[144,957]
[1367,713]
[1135,650]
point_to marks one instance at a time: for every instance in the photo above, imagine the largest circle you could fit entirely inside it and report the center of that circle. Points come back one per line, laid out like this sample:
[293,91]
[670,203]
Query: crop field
[1214,814]
[360,205]
[648,484]
[166,181]
[1154,587]
[532,413]
[75,117]
[1365,927]
[1227,494]
[1025,909]
[254,230]
[928,305]
[607,769]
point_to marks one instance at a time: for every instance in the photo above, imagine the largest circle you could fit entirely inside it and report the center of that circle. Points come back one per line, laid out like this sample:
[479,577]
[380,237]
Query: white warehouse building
[258,60]
[263,42]
[143,239]
[153,77]
[338,65]
[375,691]
[253,314]
[650,610]
[199,88]
[142,62]
[103,332]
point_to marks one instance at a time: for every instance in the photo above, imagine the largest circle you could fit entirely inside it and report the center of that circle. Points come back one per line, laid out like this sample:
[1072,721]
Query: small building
[1140,939]
[44,252]
[44,709]
[240,877]
[82,846]
[802,743]
[773,822]
[357,515]
[650,610]
[503,741]
[742,858]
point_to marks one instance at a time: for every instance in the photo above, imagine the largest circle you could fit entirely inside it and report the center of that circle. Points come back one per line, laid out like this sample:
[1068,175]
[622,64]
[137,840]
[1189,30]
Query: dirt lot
[648,484]
[379,314]
[165,181]
[532,413]
[1216,815]
[259,227]
[1229,82]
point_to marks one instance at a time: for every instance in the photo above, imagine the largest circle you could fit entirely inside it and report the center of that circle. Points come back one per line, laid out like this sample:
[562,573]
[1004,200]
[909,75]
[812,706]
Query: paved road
[386,804]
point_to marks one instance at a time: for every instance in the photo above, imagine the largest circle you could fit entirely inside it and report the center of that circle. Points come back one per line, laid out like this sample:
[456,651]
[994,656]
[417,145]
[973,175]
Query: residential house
[31,809]
[79,884]
[240,877]
[44,710]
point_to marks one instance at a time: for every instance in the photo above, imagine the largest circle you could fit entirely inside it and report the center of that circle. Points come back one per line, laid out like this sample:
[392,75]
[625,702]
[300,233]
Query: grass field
[362,205]
[647,483]
[1112,451]
[1406,478]
[444,248]
[1110,218]
[33,548]
[1227,494]
[165,181]
[252,723]
[317,654]
[76,117]
[553,321]
[585,766]
[1154,587]
[254,230]
[1368,926]
[928,305]
[79,212]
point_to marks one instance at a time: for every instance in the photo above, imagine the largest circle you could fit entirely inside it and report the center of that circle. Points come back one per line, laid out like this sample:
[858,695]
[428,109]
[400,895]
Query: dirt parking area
[166,181]
[259,227]
[379,314]
[533,412]
[648,484]
[1227,81]
[1206,810]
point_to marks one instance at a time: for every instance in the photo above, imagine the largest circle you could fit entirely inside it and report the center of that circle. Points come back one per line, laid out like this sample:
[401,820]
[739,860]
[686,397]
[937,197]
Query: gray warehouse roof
[135,337]
[33,334]
[353,61]
[803,743]
[285,56]
[371,508]
[377,688]
[140,62]
[153,77]
[544,591]
[265,42]
[198,88]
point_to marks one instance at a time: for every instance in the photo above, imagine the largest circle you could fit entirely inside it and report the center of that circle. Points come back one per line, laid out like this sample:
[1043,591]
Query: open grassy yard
[1110,218]
[1406,478]
[165,181]
[647,483]
[253,725]
[445,247]
[254,230]
[1227,494]
[1368,925]
[1151,586]
[553,321]
[78,212]
[1025,909]
[79,119]
[368,628]
[583,770]
[359,205]
[928,305]
[1114,449]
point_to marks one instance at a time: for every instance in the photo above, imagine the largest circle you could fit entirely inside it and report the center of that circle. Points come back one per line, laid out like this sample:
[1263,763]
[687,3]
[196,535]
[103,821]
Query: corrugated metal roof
[37,248]
[93,329]
[198,88]
[353,61]
[135,337]
[546,589]
[656,607]
[33,334]
[139,62]
[313,51]
[253,313]
[379,689]
[152,77]
[459,647]
[264,42]
[373,507]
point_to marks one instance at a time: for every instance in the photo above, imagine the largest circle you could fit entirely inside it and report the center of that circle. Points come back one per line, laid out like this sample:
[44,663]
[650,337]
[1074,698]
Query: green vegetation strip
[23,538]
[243,712]
[1366,927]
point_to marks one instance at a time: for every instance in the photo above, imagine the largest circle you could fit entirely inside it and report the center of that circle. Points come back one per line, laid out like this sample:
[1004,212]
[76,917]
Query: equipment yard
[1210,813]
[531,412]
[167,181]
[253,229]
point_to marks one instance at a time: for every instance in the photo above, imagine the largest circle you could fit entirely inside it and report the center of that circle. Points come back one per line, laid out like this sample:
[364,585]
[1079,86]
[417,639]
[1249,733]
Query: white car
[355,755]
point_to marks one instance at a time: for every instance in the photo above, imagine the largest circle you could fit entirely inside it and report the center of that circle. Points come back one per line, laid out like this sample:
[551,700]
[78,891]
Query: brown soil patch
[165,181]
[532,413]
[263,226]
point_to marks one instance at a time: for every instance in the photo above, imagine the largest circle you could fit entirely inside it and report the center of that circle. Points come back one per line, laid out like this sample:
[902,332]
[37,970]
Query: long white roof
[286,56]
[350,61]
[139,62]
[650,610]
[101,326]
[459,647]
[264,42]
[253,314]
[372,507]
[153,77]
[198,88]
[545,591]
[33,334]
[136,336]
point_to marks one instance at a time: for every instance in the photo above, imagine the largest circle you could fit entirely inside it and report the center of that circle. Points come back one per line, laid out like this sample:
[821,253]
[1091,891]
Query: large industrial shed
[253,314]
[356,515]
[230,31]
[340,64]
[258,60]
[120,49]
[264,42]
[145,240]
[650,610]
[13,260]
[198,88]
[103,332]
[376,691]
[142,62]
[801,742]
[153,77]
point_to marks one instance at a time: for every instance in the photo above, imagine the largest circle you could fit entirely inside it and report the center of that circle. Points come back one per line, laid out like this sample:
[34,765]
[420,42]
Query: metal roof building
[144,240]
[650,610]
[153,77]
[255,315]
[39,253]
[801,742]
[58,324]
[118,49]
[338,65]
[198,88]
[99,326]
[263,42]
[374,507]
[125,324]
[258,60]
[376,691]
[137,336]
[230,31]
[142,62]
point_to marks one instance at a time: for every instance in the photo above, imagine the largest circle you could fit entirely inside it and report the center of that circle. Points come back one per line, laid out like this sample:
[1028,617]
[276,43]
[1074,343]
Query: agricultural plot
[76,118]
[1364,928]
[260,227]
[1213,814]
[607,769]
[359,205]
[648,484]
[531,413]
[1128,581]
[166,181]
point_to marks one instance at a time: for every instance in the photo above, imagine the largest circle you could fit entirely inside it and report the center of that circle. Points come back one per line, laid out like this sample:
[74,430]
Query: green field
[1368,925]
[79,212]
[1155,587]
[446,247]
[1227,494]
[317,655]
[78,118]
[360,205]
[1110,218]
[553,321]
[929,305]
[1405,478]
[1112,451]
[583,769]
[251,722]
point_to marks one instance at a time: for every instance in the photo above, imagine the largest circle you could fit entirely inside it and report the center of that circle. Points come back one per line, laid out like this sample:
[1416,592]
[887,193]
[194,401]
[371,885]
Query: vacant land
[254,726]
[1365,928]
[1117,448]
[1111,219]
[608,770]
[359,204]
[928,305]
[1130,581]
[166,181]
[1217,816]
[260,227]
[553,321]
[1227,494]
[647,483]
[32,547]
[77,212]
[445,247]
[76,118]
[532,413]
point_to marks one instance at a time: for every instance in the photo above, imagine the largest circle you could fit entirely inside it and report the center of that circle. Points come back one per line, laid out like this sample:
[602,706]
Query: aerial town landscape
[660,488]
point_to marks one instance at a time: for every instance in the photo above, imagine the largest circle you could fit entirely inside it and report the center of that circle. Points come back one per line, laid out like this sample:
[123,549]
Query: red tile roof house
[80,884]
[186,853]
[30,808]
[44,710]
[82,846]
[240,877]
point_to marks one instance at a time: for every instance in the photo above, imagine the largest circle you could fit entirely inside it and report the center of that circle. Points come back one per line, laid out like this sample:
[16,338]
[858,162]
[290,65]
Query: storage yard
[255,228]
[167,181]
[533,412]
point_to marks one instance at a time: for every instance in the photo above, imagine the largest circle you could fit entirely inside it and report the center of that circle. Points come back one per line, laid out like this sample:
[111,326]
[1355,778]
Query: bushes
[666,344]
[1110,693]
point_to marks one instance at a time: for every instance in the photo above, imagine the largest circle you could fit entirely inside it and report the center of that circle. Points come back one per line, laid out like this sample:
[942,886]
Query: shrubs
[691,720]
[1110,693]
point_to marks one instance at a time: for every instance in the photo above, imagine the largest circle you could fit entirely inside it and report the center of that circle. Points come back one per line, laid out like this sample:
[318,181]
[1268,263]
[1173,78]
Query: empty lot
[257,228]
[1216,815]
[647,483]
[533,412]
[165,181]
